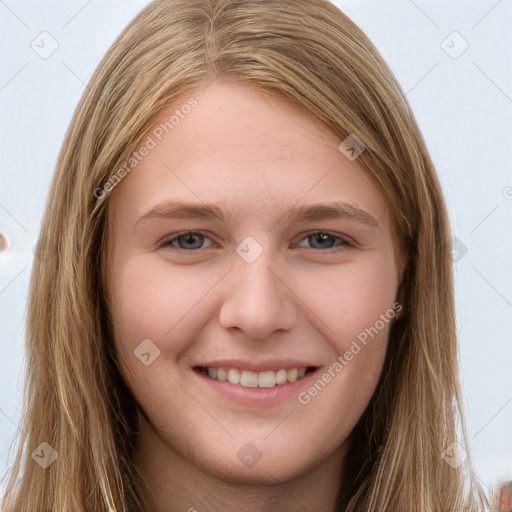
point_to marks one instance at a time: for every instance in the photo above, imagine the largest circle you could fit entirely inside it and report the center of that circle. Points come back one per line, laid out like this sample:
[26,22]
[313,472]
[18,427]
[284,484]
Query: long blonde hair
[75,400]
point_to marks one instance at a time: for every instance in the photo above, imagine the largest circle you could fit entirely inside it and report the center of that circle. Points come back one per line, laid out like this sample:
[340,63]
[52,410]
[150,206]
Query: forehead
[245,150]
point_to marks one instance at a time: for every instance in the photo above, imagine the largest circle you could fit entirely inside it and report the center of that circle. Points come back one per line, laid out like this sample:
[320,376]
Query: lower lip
[263,397]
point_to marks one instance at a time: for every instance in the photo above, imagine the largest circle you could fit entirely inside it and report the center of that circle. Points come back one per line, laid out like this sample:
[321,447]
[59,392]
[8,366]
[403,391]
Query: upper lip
[256,366]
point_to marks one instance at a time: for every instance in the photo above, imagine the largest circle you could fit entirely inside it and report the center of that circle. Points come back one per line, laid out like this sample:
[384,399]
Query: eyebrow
[297,214]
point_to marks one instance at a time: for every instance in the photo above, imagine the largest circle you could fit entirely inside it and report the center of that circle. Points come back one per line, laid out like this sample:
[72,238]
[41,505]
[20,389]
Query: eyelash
[343,242]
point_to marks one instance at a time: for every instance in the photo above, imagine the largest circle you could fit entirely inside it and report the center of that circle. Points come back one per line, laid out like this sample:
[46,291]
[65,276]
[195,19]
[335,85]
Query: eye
[192,240]
[188,240]
[323,240]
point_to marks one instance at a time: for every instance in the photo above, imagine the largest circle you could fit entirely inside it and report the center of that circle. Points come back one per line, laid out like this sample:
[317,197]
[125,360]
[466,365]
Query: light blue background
[464,109]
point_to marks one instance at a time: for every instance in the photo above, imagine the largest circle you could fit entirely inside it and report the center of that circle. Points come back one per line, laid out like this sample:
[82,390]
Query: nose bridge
[255,300]
[256,277]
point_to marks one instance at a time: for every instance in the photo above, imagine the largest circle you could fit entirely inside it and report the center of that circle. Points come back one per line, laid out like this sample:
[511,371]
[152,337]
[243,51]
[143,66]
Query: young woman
[246,299]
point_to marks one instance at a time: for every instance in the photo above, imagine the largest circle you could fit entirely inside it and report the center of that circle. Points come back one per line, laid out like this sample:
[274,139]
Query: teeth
[267,379]
[247,379]
[281,377]
[233,376]
[292,374]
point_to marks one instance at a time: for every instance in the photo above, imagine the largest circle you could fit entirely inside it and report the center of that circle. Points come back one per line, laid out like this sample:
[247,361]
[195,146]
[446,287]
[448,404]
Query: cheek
[351,299]
[359,313]
[148,300]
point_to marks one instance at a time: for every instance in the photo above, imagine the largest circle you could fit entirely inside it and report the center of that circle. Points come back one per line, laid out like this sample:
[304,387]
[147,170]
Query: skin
[255,156]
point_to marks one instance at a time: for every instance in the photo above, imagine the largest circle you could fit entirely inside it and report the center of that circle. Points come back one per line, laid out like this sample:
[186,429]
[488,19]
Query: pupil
[189,240]
[322,238]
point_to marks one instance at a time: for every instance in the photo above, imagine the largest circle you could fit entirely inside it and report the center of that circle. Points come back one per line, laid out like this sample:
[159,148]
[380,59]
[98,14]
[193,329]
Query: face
[245,246]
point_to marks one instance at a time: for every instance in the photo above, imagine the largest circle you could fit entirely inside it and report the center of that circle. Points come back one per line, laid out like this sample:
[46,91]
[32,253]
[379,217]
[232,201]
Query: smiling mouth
[250,379]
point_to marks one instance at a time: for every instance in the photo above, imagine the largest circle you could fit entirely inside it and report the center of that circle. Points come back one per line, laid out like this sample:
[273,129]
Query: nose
[257,299]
